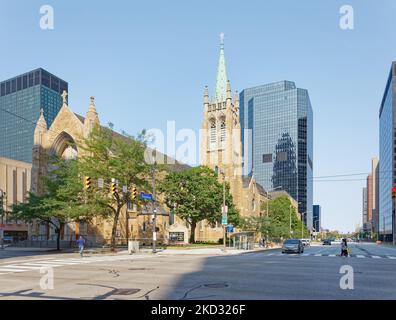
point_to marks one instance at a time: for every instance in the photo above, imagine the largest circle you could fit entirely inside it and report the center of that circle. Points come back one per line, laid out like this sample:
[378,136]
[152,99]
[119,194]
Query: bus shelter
[243,240]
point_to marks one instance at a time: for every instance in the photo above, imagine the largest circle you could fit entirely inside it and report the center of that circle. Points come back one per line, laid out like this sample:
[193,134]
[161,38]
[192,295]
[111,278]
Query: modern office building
[14,185]
[364,205]
[387,165]
[317,217]
[21,99]
[369,186]
[277,136]
[375,191]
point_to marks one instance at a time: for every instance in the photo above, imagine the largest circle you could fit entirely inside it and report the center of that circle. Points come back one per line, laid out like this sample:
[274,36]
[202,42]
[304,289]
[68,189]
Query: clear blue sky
[147,62]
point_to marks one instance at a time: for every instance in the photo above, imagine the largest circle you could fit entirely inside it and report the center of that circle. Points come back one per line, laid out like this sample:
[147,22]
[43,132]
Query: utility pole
[2,196]
[154,211]
[224,208]
[290,221]
[383,237]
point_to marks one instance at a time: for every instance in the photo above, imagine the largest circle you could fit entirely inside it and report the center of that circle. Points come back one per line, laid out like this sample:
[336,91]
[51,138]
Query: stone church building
[221,150]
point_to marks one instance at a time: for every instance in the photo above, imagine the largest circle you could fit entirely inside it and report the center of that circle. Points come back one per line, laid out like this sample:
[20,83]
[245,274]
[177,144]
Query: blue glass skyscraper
[387,164]
[317,217]
[277,140]
[21,99]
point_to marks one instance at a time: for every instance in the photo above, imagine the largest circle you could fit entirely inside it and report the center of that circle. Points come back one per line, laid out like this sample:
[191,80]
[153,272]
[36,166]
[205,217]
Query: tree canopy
[195,195]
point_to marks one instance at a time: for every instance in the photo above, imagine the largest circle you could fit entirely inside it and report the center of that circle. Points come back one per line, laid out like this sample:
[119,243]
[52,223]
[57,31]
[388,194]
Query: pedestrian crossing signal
[114,188]
[87,183]
[134,193]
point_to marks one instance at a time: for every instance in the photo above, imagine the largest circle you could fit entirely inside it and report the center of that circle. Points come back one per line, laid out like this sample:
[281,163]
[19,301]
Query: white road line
[10,270]
[318,255]
[21,261]
[42,265]
[332,255]
[270,254]
[376,257]
[24,267]
[391,257]
[305,254]
[360,256]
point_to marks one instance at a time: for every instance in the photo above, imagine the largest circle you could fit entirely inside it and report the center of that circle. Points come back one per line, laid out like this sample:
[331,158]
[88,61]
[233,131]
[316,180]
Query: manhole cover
[216,285]
[125,292]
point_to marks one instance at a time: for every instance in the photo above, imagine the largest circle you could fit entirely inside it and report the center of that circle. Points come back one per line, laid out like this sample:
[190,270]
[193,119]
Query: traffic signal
[87,183]
[134,193]
[393,192]
[114,188]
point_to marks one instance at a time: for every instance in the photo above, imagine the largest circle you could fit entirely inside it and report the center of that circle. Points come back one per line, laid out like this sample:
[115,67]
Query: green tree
[113,157]
[276,222]
[63,199]
[195,195]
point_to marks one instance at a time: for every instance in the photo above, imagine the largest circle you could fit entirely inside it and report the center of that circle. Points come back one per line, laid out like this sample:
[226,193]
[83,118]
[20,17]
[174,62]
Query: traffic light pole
[154,212]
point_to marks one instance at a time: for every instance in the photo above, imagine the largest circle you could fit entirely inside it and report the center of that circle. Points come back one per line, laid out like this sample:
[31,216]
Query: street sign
[224,219]
[224,209]
[230,228]
[146,196]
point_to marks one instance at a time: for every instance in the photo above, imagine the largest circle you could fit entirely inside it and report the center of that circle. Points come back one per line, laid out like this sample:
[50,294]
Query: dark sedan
[327,242]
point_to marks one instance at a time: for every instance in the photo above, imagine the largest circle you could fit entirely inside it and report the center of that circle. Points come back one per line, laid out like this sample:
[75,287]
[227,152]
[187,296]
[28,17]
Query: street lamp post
[302,224]
[290,231]
[2,196]
[223,211]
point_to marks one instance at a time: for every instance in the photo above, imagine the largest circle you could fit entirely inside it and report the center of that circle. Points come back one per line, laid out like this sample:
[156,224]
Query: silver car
[293,245]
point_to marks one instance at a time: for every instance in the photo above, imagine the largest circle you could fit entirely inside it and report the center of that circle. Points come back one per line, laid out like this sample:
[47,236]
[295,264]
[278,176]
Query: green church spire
[221,80]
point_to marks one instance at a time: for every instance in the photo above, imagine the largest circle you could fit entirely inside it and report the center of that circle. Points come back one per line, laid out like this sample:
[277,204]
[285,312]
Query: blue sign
[146,196]
[230,228]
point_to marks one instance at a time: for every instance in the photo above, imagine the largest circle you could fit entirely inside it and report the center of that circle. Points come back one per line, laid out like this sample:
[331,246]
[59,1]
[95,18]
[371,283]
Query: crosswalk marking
[23,267]
[10,270]
[37,264]
[313,254]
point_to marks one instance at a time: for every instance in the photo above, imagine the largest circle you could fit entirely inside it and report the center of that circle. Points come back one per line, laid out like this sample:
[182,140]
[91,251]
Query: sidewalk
[202,251]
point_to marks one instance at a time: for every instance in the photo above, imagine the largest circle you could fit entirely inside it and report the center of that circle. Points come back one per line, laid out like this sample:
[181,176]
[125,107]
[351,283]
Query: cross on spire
[64,97]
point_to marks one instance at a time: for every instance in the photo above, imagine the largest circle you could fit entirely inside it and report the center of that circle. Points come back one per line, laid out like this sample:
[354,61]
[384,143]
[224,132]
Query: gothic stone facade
[67,128]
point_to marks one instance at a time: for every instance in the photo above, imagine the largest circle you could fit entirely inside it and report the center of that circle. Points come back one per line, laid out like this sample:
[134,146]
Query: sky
[147,62]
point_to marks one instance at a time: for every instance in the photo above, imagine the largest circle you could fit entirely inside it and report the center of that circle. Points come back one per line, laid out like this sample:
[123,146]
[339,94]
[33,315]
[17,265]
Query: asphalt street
[315,274]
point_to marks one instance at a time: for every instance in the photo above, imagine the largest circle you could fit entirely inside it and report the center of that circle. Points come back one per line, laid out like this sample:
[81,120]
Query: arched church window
[222,132]
[212,134]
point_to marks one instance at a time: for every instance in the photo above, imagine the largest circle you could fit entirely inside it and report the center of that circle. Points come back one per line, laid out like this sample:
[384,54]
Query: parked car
[306,242]
[293,245]
[327,242]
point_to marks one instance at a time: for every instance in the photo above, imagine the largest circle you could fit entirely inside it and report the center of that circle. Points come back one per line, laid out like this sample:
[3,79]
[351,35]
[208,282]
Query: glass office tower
[387,170]
[21,99]
[317,217]
[277,140]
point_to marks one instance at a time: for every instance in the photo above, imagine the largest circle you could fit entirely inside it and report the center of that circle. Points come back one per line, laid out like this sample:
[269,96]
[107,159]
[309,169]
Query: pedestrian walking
[81,244]
[344,248]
